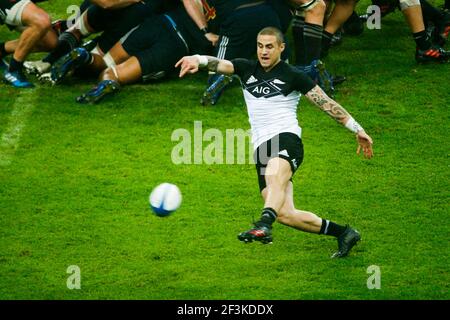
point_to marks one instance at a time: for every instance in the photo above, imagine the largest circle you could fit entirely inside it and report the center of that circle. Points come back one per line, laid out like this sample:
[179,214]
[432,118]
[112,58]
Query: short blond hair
[272,31]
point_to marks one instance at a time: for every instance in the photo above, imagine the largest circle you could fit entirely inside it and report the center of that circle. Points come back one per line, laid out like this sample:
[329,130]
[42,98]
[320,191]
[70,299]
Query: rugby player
[146,53]
[36,35]
[238,23]
[272,90]
[112,18]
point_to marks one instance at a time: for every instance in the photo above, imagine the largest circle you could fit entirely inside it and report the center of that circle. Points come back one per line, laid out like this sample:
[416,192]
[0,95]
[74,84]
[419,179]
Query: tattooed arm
[191,64]
[328,105]
[338,113]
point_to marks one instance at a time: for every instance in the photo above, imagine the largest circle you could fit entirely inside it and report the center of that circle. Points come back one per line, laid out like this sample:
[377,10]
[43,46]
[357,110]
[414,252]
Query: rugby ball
[165,199]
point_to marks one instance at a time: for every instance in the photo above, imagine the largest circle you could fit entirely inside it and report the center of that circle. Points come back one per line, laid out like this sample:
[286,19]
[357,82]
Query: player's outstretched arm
[191,64]
[317,96]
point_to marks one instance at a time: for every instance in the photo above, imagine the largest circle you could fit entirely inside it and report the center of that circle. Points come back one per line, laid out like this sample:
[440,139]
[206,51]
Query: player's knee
[110,73]
[42,22]
[318,8]
[275,183]
[406,4]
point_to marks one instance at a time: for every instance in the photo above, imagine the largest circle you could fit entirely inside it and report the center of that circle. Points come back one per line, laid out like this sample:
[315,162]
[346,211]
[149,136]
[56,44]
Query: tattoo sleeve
[328,105]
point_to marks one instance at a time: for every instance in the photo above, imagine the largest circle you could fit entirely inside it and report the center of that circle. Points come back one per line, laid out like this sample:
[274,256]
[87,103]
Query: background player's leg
[425,51]
[97,61]
[342,10]
[127,72]
[37,24]
[111,79]
[312,32]
[47,43]
[414,18]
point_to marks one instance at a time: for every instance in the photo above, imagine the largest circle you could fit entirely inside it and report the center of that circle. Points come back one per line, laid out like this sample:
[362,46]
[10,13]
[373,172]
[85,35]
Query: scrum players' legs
[308,33]
[425,51]
[111,80]
[37,26]
[98,61]
[47,43]
[70,39]
[307,30]
[342,10]
[117,26]
[127,72]
[34,23]
[152,53]
[152,63]
[413,15]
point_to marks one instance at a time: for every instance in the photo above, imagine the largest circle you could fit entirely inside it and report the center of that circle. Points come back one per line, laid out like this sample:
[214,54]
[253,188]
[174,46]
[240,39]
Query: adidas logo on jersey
[252,79]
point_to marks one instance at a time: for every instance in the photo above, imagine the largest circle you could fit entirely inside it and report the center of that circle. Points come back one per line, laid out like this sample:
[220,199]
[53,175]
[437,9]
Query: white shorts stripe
[125,37]
[326,226]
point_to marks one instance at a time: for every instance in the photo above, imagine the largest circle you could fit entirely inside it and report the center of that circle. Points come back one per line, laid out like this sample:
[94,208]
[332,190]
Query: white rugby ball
[165,199]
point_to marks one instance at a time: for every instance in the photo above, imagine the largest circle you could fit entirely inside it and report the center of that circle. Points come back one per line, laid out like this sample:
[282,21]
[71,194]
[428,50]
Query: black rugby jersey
[271,97]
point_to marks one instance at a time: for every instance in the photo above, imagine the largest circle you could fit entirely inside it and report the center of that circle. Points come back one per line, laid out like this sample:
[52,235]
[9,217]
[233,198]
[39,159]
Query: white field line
[22,109]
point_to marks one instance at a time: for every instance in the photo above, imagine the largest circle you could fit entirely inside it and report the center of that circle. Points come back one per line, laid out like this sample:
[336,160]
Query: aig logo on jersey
[260,91]
[264,88]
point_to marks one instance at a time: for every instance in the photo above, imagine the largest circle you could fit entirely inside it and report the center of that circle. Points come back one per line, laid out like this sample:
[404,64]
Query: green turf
[76,190]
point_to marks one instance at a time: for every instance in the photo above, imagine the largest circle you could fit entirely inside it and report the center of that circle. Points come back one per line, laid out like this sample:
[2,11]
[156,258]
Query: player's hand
[212,37]
[365,143]
[189,64]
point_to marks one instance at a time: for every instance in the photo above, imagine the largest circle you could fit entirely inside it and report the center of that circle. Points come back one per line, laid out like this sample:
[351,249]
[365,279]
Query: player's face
[269,51]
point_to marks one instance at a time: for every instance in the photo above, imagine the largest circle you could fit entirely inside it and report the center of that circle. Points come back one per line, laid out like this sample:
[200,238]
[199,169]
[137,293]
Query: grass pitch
[75,181]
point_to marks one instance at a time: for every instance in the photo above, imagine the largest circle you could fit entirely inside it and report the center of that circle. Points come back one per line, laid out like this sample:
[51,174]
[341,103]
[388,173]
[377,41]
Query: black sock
[353,26]
[312,36]
[15,65]
[298,25]
[430,13]
[326,43]
[268,217]
[66,42]
[422,41]
[2,50]
[331,228]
